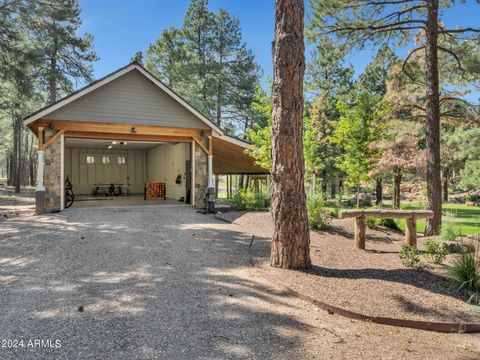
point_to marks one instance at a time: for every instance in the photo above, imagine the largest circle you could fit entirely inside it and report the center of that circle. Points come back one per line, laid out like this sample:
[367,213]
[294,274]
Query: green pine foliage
[208,63]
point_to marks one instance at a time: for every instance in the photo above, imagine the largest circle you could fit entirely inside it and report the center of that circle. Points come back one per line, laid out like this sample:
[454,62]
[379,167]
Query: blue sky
[123,27]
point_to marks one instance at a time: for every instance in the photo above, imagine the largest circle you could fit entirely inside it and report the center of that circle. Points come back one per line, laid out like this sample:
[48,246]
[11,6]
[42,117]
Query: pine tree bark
[445,185]
[291,236]
[397,180]
[434,189]
[379,191]
[17,153]
[52,78]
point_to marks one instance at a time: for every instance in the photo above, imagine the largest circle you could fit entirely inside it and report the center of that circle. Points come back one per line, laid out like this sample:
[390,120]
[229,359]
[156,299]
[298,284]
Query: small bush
[249,199]
[317,216]
[436,251]
[448,231]
[473,197]
[409,255]
[373,223]
[389,223]
[337,205]
[465,271]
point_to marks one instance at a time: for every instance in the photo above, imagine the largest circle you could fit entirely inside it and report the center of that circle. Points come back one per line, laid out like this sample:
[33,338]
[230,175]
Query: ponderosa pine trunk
[291,235]
[445,185]
[397,181]
[17,153]
[434,187]
[52,78]
[379,191]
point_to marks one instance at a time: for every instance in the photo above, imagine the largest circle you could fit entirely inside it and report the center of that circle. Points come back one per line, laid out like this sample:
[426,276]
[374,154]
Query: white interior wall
[164,163]
[83,176]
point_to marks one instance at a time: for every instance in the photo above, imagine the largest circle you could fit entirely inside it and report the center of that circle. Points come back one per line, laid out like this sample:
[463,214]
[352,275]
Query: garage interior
[93,164]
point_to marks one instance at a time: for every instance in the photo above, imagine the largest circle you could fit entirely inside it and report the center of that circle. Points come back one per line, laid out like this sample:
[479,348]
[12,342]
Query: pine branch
[458,31]
[457,59]
[404,69]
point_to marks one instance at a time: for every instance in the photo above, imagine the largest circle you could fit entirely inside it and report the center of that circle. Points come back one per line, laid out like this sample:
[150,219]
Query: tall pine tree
[67,57]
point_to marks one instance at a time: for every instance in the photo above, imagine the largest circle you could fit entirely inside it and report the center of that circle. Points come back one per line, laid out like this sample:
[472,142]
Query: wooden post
[360,232]
[411,231]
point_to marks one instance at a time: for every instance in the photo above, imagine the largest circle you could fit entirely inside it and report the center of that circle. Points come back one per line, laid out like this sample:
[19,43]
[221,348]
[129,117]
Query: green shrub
[465,271]
[473,197]
[317,216]
[409,255]
[436,251]
[373,223]
[447,230]
[389,223]
[337,205]
[249,199]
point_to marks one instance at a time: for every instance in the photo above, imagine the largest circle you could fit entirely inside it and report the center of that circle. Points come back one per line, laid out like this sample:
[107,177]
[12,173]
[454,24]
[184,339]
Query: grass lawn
[465,219]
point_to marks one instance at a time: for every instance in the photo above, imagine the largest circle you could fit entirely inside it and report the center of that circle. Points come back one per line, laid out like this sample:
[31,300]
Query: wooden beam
[199,142]
[210,145]
[40,138]
[53,139]
[130,137]
[87,126]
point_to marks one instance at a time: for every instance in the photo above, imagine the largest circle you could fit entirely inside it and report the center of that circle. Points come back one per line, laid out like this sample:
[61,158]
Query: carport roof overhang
[229,155]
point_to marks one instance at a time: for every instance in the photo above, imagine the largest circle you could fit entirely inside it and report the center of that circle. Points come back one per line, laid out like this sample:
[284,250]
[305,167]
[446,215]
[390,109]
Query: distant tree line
[41,59]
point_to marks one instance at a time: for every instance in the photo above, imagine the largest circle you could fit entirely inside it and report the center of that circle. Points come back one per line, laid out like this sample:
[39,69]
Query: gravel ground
[12,207]
[168,283]
[373,282]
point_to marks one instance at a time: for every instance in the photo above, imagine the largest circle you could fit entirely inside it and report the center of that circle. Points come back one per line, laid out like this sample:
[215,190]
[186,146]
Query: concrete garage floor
[168,283]
[88,201]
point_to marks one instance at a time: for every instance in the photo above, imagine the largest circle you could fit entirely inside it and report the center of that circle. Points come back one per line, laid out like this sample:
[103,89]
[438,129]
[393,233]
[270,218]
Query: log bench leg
[411,231]
[360,232]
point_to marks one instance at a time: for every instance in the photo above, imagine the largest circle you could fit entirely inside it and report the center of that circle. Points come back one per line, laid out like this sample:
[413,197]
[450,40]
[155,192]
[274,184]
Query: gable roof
[109,78]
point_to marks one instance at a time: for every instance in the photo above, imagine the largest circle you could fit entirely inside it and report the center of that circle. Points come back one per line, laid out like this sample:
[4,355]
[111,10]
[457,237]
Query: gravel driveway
[169,283]
[156,282]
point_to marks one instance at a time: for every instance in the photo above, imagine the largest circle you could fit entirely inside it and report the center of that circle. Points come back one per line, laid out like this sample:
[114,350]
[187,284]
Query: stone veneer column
[201,176]
[53,175]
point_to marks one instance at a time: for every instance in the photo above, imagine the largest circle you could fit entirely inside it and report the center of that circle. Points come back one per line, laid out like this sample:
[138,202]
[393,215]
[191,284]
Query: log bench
[410,217]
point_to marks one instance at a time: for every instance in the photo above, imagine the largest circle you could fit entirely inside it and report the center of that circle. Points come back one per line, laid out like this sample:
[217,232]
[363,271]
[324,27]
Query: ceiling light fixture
[114,143]
[109,146]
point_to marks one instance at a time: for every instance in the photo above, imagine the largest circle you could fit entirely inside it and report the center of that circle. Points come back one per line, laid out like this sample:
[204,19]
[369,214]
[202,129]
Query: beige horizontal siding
[164,163]
[83,176]
[129,99]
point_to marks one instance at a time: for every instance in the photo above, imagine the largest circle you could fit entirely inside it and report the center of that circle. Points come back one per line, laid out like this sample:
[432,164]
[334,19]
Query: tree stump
[411,231]
[360,232]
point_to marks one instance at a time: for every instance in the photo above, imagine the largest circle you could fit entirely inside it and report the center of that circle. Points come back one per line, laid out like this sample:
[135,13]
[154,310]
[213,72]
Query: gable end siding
[129,99]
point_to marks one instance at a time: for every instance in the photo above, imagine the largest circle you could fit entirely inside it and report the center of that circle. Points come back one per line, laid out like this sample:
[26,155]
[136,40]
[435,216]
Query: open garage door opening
[120,172]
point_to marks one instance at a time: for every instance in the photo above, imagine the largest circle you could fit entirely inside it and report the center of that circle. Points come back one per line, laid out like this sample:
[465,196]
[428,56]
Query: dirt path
[168,283]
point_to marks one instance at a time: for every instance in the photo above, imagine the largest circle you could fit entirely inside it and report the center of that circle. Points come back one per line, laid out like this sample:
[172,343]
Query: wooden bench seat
[410,217]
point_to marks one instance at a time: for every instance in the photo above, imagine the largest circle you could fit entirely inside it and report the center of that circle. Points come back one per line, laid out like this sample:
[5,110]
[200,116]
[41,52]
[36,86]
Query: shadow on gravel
[162,283]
